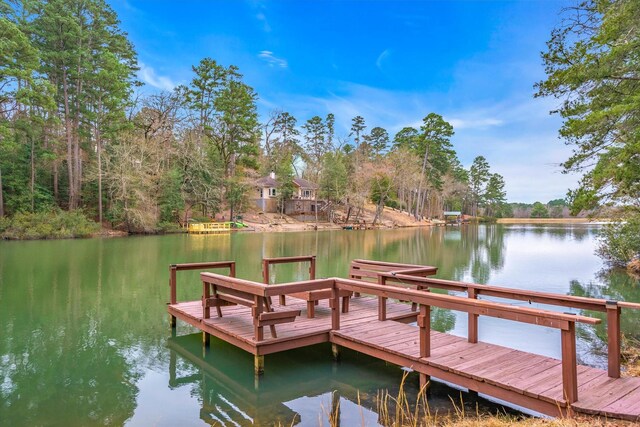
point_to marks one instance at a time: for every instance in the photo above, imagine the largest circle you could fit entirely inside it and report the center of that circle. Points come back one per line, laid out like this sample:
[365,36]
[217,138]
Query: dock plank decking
[381,327]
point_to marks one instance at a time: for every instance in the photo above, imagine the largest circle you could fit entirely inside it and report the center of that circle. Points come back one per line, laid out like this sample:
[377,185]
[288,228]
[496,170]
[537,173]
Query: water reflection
[300,387]
[83,325]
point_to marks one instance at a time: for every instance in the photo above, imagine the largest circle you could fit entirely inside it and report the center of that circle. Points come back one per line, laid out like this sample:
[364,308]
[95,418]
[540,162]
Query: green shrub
[55,224]
[619,242]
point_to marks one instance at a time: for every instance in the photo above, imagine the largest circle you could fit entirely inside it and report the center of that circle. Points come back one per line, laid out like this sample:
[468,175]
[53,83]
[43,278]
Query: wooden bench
[366,270]
[312,297]
[219,291]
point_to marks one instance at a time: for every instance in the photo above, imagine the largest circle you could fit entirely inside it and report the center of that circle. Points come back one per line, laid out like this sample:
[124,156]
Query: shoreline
[552,220]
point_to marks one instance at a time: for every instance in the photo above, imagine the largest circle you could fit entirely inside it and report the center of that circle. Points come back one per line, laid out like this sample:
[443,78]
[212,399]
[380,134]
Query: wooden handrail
[564,322]
[549,298]
[248,286]
[266,262]
[174,268]
[480,307]
[612,308]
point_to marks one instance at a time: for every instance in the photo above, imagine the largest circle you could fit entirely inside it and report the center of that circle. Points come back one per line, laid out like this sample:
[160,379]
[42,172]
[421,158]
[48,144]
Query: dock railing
[246,289]
[564,322]
[473,290]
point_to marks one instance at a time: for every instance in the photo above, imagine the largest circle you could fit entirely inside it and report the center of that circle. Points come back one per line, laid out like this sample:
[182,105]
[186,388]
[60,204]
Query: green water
[84,337]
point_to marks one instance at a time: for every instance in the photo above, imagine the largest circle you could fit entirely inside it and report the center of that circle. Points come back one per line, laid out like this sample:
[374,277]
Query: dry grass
[631,356]
[398,411]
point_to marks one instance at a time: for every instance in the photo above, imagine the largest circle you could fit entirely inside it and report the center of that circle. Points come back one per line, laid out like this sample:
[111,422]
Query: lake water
[84,335]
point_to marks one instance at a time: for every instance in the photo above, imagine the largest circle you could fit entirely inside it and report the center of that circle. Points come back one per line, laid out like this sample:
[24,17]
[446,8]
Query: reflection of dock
[232,395]
[373,326]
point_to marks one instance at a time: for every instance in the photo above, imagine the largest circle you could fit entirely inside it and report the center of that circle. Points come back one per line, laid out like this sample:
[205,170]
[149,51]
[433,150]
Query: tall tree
[357,131]
[315,144]
[478,177]
[378,139]
[495,196]
[90,61]
[592,64]
[18,62]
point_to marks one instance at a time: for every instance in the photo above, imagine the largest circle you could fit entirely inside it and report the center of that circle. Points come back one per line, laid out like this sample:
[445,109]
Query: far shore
[551,220]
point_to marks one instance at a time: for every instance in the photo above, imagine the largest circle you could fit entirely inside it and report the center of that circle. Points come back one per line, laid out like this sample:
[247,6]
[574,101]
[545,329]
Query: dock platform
[377,326]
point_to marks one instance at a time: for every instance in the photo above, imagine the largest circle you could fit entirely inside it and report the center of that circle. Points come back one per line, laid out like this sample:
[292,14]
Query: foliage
[592,63]
[55,224]
[619,241]
[73,135]
[539,211]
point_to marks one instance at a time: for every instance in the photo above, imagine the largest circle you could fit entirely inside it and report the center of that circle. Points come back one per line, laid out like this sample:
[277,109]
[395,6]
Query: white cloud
[382,58]
[272,60]
[265,24]
[481,123]
[148,75]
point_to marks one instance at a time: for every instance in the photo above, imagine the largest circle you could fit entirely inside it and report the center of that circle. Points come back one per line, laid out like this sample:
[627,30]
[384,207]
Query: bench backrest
[367,270]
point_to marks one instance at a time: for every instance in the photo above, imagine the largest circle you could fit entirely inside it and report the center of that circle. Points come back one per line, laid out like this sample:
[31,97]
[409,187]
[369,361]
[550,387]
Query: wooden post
[424,322]
[172,282]
[173,293]
[335,307]
[258,365]
[382,301]
[569,368]
[472,318]
[312,268]
[613,338]
[258,331]
[206,294]
[335,351]
[205,339]
[425,380]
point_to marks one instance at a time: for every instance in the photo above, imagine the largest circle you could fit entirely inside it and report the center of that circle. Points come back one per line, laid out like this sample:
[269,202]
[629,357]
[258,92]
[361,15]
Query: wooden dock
[376,323]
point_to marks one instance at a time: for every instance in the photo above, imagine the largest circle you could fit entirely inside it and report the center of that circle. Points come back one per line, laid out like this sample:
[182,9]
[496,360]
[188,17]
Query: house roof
[303,183]
[268,182]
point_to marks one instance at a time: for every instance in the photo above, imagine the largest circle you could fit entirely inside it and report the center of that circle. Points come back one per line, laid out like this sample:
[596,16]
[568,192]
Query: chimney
[272,175]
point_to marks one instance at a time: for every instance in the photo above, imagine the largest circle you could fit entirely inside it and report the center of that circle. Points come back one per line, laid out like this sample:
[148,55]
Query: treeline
[76,134]
[557,208]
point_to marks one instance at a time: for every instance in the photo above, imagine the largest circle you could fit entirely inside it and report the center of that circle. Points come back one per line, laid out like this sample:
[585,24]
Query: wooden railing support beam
[335,307]
[472,318]
[424,322]
[382,301]
[569,367]
[172,283]
[613,338]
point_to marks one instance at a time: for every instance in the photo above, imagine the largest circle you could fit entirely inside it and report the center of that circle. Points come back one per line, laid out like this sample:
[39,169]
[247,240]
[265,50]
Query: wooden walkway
[377,326]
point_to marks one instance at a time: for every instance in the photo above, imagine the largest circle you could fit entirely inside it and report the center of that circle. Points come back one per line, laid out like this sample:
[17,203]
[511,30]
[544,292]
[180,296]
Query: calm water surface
[84,337]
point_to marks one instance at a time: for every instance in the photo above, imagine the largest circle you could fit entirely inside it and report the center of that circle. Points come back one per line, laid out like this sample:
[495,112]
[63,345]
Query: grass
[631,356]
[399,411]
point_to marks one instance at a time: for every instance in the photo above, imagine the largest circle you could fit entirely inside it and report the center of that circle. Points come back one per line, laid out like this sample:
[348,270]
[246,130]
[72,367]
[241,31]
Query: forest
[79,133]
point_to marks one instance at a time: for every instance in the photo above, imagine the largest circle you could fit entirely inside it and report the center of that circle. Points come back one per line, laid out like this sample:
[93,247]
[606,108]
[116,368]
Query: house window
[272,192]
[306,193]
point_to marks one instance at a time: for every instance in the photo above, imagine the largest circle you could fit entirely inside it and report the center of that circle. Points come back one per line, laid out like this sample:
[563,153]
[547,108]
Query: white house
[302,201]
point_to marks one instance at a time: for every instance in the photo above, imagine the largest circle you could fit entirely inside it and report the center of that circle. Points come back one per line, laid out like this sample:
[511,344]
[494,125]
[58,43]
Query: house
[303,204]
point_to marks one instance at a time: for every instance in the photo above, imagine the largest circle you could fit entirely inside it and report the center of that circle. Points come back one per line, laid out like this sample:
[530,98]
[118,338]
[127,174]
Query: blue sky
[392,62]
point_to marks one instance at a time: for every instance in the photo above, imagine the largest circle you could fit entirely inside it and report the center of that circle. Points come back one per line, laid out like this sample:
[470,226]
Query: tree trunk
[1,196]
[70,161]
[33,174]
[99,150]
[424,168]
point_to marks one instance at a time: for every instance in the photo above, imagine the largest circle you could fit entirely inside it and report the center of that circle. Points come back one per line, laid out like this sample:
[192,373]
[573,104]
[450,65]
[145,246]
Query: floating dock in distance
[214,227]
[376,326]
